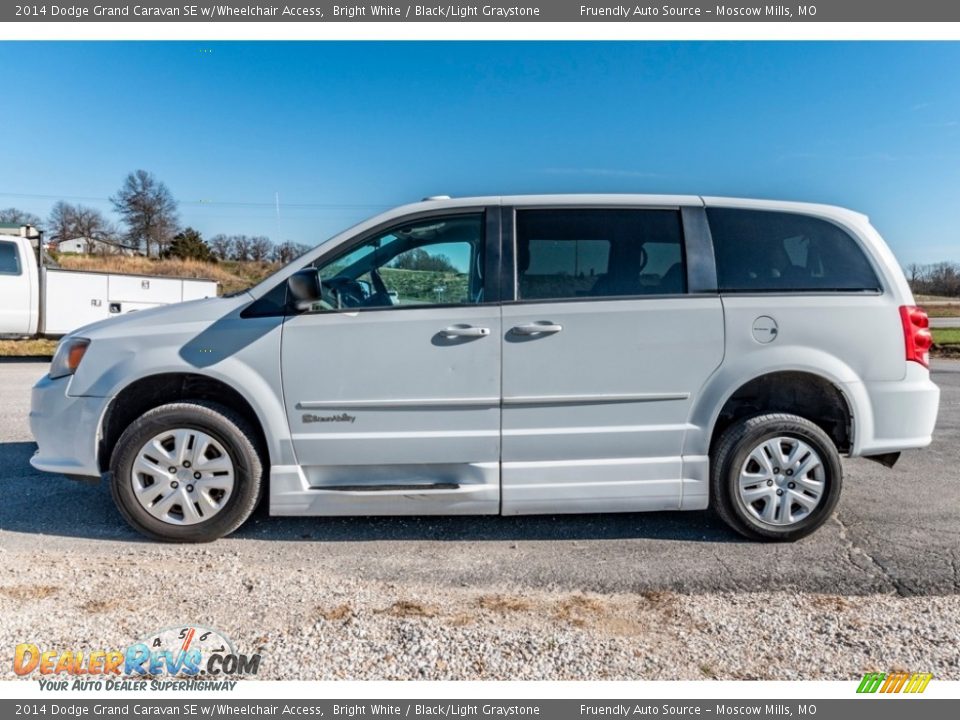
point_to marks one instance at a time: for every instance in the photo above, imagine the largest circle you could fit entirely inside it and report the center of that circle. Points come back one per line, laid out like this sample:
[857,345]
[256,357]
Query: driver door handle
[536,329]
[465,331]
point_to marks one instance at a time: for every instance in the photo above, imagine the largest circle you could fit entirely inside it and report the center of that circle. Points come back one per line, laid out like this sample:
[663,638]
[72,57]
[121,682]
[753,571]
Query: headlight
[67,358]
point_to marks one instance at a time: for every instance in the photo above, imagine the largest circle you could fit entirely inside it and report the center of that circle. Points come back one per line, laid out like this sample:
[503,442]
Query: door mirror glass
[305,289]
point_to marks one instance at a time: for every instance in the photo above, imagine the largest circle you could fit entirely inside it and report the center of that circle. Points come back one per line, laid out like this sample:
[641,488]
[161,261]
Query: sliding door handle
[466,331]
[536,329]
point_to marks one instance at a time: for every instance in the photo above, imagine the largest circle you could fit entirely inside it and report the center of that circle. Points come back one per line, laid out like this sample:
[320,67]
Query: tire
[775,506]
[226,440]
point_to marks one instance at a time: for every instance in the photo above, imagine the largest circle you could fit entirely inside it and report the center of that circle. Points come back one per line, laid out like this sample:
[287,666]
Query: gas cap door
[765,329]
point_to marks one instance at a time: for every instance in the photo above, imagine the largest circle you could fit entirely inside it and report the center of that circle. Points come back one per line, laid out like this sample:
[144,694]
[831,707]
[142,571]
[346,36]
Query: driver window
[429,262]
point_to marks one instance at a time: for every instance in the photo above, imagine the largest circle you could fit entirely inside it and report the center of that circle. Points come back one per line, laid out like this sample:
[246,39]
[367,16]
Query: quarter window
[9,259]
[763,251]
[588,253]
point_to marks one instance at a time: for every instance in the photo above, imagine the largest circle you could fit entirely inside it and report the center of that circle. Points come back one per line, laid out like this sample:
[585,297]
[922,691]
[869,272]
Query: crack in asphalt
[901,588]
[726,568]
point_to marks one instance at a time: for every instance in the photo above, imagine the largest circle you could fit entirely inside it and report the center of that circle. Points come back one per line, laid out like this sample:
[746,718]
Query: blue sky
[341,130]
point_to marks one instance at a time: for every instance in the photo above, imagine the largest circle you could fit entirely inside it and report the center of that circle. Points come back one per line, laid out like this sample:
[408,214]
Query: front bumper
[66,428]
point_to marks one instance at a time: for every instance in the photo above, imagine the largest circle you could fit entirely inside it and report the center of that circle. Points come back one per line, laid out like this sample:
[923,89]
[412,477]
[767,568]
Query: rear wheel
[187,472]
[775,477]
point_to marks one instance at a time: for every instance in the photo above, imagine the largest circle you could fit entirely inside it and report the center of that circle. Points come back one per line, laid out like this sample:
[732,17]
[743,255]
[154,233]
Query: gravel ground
[311,624]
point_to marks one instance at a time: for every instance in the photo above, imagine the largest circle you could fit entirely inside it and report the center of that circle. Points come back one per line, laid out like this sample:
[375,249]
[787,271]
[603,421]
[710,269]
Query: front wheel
[187,472]
[775,477]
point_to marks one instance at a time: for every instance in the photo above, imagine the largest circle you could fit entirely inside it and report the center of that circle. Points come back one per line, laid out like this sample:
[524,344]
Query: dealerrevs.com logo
[897,682]
[176,658]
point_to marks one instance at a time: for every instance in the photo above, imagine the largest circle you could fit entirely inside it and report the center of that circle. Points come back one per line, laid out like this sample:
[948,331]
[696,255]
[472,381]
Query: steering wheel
[345,292]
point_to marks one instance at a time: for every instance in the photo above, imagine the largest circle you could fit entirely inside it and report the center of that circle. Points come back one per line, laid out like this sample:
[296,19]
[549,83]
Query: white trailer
[39,300]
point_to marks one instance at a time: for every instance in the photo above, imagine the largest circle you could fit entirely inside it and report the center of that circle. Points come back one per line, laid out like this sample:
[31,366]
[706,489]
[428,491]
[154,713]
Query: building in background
[91,246]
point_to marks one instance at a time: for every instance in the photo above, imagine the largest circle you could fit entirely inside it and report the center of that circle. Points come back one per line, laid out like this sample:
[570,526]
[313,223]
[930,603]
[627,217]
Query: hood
[183,314]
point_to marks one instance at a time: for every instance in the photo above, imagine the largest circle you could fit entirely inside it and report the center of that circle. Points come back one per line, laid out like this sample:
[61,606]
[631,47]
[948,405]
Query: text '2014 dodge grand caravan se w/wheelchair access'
[540,354]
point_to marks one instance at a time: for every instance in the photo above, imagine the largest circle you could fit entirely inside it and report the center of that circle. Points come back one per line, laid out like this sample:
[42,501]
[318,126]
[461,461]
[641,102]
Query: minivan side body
[516,355]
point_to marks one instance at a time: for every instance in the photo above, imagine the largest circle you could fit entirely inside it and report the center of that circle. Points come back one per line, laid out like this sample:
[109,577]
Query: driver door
[392,383]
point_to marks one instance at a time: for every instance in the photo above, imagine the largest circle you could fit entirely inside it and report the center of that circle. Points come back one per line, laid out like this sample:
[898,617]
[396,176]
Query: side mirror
[304,287]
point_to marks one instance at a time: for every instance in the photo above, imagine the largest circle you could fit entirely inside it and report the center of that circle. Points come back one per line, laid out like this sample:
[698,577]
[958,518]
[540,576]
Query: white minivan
[512,355]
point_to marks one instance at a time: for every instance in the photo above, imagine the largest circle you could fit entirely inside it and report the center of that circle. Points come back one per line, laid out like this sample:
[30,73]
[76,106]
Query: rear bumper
[66,428]
[902,414]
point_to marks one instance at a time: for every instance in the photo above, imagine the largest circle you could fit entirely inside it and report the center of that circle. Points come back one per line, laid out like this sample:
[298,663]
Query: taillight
[916,333]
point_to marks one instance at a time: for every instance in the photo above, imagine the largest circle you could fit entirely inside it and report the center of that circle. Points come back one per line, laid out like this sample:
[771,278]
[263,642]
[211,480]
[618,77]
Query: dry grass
[95,607]
[835,603]
[27,348]
[232,276]
[938,311]
[578,610]
[409,608]
[28,592]
[505,603]
[659,597]
[936,299]
[340,612]
[462,620]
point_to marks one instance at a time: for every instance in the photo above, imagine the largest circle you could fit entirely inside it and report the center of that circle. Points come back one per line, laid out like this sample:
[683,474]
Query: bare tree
[60,224]
[285,252]
[241,247]
[945,279]
[221,246]
[914,272]
[69,222]
[20,217]
[941,278]
[260,247]
[90,223]
[148,210]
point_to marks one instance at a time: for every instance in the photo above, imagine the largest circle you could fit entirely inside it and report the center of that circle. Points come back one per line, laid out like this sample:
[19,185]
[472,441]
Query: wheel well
[147,393]
[805,394]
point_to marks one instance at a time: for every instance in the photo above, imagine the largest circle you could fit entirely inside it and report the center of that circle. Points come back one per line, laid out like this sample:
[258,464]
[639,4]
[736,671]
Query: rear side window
[761,251]
[564,254]
[9,259]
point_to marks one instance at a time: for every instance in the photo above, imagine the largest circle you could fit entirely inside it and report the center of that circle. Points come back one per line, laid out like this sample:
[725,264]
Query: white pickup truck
[36,299]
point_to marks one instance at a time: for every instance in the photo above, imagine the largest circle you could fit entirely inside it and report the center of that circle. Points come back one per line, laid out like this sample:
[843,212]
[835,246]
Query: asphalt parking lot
[895,537]
[896,530]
